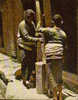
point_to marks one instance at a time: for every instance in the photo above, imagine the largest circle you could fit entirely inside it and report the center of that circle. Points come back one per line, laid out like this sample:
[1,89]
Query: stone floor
[16,90]
[8,66]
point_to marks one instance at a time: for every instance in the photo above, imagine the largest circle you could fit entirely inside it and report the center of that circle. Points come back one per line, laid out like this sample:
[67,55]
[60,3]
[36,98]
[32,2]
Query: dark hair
[57,19]
[28,13]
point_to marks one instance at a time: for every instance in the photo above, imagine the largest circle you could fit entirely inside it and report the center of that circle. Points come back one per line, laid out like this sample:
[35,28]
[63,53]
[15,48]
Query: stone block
[41,82]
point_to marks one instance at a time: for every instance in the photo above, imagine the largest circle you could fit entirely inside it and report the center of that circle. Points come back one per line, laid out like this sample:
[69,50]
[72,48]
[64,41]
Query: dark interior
[28,4]
[1,32]
[67,9]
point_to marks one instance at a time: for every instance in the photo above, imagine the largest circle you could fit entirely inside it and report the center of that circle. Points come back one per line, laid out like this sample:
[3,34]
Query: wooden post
[47,16]
[38,13]
[47,12]
[41,83]
[38,17]
[40,65]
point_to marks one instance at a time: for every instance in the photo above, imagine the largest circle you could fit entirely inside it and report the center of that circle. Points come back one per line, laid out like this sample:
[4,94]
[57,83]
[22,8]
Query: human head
[57,20]
[29,15]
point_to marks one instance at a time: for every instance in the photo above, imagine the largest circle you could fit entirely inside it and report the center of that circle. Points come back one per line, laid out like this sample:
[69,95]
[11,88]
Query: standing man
[27,42]
[55,39]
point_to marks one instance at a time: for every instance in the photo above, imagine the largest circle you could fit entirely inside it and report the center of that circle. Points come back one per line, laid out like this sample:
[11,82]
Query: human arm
[45,31]
[26,35]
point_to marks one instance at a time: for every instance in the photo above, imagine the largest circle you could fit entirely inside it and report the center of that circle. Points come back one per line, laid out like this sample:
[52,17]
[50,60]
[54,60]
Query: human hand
[40,39]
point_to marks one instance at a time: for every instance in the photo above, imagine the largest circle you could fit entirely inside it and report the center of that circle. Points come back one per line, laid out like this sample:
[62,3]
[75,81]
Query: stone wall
[12,13]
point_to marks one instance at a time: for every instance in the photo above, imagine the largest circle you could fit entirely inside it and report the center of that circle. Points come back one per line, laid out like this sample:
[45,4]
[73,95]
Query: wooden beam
[38,18]
[47,12]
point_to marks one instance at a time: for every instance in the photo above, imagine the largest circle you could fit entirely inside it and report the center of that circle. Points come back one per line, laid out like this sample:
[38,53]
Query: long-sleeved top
[26,35]
[55,40]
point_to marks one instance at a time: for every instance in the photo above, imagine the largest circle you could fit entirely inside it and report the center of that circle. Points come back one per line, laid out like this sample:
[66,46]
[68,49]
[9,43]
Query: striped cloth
[54,51]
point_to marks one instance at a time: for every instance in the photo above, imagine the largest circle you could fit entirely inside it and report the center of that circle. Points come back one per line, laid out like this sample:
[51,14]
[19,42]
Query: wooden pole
[40,66]
[47,12]
[38,18]
[38,14]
